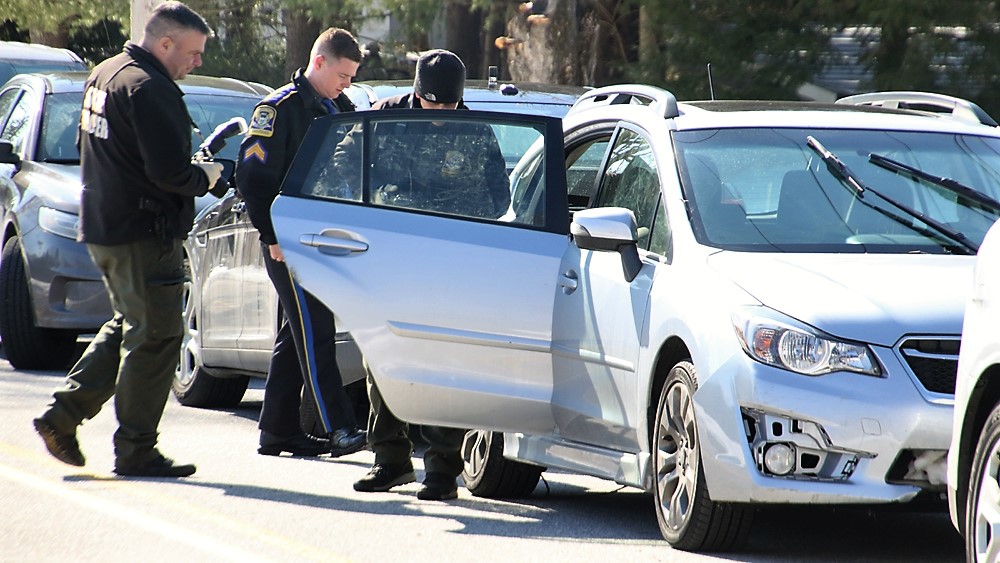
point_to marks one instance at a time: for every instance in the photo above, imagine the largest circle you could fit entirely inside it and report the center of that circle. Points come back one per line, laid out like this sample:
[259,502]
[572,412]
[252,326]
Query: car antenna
[711,88]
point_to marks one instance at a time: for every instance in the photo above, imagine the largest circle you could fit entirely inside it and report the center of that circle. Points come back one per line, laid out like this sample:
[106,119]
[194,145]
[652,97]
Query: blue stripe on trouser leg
[309,370]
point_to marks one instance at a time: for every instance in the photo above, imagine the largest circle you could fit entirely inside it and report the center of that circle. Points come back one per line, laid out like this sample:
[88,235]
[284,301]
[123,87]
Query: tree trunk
[546,49]
[890,55]
[300,34]
[459,19]
[58,37]
[647,36]
[493,27]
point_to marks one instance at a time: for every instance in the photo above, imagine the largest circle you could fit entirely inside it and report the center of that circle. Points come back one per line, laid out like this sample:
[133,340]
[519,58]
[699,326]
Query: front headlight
[779,341]
[58,222]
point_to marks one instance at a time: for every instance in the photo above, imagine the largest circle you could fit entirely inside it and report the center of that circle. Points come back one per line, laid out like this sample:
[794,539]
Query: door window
[17,126]
[583,162]
[440,162]
[631,181]
[7,100]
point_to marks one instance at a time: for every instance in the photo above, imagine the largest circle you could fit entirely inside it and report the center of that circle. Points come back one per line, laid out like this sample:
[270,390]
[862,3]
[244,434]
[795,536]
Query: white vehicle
[761,302]
[974,458]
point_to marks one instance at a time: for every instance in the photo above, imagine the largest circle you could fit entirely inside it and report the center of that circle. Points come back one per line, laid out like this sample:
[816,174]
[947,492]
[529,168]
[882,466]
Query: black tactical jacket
[135,153]
[279,122]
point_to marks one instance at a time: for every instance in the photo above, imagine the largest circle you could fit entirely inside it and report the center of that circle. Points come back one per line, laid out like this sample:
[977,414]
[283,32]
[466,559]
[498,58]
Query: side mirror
[7,154]
[609,229]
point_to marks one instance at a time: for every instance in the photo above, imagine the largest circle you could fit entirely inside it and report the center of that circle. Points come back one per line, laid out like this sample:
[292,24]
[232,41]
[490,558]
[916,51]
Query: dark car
[22,58]
[232,313]
[52,292]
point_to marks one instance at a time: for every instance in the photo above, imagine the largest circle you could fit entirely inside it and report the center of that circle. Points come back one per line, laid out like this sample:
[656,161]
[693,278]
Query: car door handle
[568,281]
[335,241]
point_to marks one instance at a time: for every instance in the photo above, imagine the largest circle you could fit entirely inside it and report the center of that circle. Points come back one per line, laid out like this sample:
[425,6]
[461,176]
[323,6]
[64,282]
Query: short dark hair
[173,16]
[339,43]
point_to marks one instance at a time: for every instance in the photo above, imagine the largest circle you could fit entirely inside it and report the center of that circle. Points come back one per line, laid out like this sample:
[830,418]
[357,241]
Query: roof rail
[660,100]
[927,102]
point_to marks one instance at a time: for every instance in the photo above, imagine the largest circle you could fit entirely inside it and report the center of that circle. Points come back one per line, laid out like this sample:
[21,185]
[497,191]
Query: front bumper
[853,438]
[67,291]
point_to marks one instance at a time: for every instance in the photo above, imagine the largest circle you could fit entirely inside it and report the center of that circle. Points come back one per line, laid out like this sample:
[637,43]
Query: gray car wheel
[488,474]
[193,385]
[982,511]
[687,516]
[26,345]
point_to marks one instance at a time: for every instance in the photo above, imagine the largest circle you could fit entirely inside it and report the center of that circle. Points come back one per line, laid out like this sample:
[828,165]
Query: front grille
[934,362]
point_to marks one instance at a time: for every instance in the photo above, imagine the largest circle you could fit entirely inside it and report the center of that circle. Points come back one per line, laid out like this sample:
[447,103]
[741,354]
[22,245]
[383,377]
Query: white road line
[169,530]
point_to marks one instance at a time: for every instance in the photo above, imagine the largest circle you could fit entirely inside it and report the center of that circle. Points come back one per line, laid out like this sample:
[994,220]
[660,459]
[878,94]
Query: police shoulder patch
[262,122]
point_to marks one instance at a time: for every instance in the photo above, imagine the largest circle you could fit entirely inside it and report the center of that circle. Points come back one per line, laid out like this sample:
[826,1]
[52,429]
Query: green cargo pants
[389,439]
[134,355]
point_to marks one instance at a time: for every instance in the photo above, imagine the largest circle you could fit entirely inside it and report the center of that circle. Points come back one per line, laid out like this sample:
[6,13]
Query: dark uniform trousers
[306,325]
[388,437]
[134,355]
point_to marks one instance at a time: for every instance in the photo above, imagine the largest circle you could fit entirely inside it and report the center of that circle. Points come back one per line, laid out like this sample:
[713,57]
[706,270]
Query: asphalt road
[241,506]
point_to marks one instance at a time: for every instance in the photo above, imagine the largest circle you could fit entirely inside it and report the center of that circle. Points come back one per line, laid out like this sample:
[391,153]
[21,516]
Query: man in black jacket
[304,347]
[137,207]
[418,166]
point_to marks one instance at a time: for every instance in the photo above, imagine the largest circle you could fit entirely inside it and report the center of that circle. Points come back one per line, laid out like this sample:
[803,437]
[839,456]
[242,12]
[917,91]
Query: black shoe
[157,467]
[298,445]
[63,447]
[347,441]
[438,486]
[381,478]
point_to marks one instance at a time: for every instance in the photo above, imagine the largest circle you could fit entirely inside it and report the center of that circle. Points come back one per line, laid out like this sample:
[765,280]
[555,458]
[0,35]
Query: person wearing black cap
[416,167]
[418,162]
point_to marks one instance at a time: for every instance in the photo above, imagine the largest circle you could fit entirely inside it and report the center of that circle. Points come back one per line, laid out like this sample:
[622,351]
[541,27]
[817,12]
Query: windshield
[766,190]
[60,119]
[207,112]
[62,114]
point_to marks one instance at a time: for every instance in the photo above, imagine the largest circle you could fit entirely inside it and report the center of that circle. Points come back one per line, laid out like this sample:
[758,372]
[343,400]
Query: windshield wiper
[852,181]
[949,184]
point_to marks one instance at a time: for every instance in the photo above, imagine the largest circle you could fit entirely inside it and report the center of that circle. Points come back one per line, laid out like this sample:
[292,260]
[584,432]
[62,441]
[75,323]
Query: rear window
[9,68]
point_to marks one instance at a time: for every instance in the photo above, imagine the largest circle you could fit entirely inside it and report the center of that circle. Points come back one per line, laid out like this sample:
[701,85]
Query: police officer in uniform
[137,207]
[418,166]
[304,348]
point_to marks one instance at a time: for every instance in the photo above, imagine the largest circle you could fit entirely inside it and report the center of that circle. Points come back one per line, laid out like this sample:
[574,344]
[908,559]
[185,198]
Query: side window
[630,180]
[660,237]
[464,167]
[17,126]
[583,162]
[7,100]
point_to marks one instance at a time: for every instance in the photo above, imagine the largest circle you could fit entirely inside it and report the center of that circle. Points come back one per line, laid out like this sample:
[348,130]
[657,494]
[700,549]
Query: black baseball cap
[440,77]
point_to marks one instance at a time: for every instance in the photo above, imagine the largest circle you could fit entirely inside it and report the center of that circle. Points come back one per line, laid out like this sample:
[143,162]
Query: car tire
[26,345]
[981,515]
[688,517]
[193,386]
[488,474]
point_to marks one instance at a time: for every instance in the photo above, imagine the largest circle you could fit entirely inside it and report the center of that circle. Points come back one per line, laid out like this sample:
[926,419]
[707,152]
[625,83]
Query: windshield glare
[765,190]
[57,142]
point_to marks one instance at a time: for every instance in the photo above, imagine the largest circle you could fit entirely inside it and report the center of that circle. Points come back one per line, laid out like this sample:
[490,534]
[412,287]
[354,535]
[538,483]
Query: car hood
[874,298]
[62,186]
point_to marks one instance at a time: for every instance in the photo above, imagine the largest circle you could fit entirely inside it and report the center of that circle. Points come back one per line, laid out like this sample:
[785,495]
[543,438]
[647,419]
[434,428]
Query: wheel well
[7,233]
[984,397]
[671,352]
